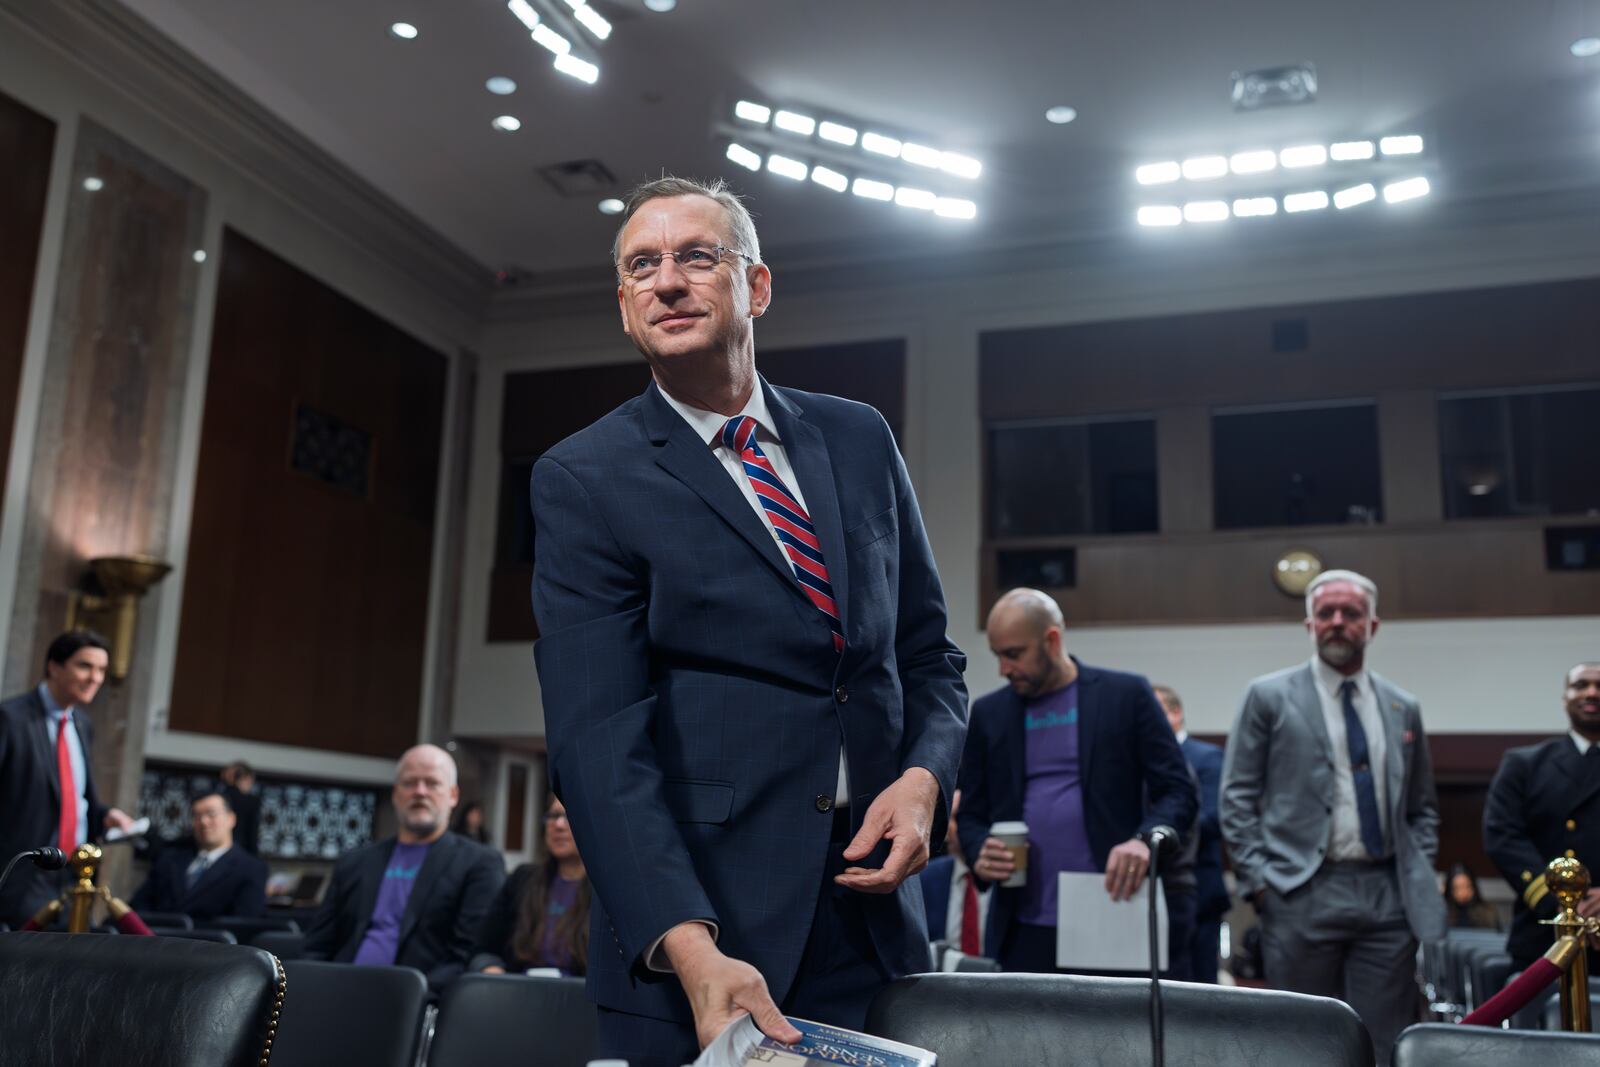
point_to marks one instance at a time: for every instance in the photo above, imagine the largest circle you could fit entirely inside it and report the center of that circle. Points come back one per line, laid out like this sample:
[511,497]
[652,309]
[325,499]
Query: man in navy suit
[1212,901]
[210,878]
[1082,755]
[753,713]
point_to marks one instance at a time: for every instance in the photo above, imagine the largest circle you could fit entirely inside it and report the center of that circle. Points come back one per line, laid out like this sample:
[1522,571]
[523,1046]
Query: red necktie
[67,832]
[970,943]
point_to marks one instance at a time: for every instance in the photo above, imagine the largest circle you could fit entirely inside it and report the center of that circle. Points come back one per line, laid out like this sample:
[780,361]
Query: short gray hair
[744,227]
[1368,587]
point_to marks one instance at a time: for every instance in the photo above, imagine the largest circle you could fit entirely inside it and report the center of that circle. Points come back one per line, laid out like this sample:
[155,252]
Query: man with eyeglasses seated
[416,899]
[753,713]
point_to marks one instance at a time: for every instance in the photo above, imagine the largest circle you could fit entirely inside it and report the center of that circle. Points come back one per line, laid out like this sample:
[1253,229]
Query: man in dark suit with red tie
[956,908]
[753,713]
[47,793]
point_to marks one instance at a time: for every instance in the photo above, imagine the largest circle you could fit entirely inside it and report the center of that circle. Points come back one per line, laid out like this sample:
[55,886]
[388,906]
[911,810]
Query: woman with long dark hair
[1464,905]
[471,821]
[541,917]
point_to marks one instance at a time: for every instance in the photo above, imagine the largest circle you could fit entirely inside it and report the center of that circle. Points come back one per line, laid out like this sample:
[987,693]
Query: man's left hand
[118,819]
[903,816]
[1125,868]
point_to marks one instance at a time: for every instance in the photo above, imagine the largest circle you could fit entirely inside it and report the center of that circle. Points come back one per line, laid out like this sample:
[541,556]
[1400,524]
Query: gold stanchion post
[82,896]
[1569,880]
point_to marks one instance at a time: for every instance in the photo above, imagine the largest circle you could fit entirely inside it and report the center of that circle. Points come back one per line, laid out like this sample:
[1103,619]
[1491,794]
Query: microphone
[1159,839]
[48,858]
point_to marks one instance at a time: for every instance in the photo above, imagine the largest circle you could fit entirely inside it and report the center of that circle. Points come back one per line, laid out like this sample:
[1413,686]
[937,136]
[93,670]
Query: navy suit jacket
[1126,749]
[234,885]
[694,704]
[1206,759]
[30,798]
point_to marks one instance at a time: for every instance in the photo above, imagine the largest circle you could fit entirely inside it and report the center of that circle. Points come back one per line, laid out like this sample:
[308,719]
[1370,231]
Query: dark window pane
[516,517]
[1520,454]
[1073,478]
[1037,568]
[1290,467]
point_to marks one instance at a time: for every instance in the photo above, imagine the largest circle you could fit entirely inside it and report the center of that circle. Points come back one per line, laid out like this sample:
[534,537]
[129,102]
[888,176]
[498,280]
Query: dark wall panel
[26,142]
[305,602]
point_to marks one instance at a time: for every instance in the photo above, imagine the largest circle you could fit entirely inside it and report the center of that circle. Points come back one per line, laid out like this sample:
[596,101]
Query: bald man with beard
[418,898]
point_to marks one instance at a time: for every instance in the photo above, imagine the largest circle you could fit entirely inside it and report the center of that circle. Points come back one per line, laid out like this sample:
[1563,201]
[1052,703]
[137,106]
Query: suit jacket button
[1571,855]
[1527,876]
[841,694]
[824,804]
[1572,824]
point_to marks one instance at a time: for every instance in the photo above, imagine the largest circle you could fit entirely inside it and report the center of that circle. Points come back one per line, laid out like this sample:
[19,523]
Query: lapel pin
[1408,737]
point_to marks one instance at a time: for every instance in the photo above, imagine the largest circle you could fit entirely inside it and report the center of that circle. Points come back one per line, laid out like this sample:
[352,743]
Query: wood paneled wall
[541,408]
[26,142]
[305,606]
[1400,352]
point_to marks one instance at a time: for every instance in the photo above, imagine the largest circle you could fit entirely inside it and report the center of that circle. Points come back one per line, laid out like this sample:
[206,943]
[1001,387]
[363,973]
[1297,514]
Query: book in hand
[743,1045]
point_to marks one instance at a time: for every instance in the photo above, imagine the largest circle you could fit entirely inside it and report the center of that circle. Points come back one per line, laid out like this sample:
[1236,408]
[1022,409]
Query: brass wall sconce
[114,611]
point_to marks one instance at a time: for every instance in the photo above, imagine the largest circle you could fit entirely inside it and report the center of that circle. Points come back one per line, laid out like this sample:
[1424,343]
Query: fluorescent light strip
[743,156]
[1356,194]
[883,146]
[574,67]
[1255,207]
[959,165]
[1165,215]
[921,199]
[794,122]
[1346,151]
[872,190]
[1205,211]
[1305,155]
[550,39]
[952,208]
[1406,145]
[592,20]
[1312,201]
[1409,189]
[524,12]
[832,131]
[1158,173]
[752,112]
[1253,162]
[829,178]
[1205,168]
[785,167]
[920,154]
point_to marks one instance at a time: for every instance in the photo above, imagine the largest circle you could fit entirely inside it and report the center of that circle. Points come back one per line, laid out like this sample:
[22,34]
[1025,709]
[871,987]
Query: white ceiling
[1491,84]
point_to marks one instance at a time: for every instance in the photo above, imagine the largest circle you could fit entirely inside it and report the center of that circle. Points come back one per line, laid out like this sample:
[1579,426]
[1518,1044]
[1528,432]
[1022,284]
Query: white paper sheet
[1096,933]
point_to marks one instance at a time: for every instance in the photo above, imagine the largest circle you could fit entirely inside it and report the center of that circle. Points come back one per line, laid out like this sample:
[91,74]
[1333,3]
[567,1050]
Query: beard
[1338,652]
[420,821]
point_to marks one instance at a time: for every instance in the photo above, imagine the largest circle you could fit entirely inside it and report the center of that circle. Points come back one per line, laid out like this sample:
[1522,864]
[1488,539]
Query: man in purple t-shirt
[1083,755]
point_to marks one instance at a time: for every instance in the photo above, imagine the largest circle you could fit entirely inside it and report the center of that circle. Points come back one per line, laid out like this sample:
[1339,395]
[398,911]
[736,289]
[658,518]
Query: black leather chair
[246,929]
[976,1020]
[171,920]
[75,1001]
[1552,1007]
[282,944]
[484,1015]
[1487,971]
[1445,1045]
[340,1015]
[217,937]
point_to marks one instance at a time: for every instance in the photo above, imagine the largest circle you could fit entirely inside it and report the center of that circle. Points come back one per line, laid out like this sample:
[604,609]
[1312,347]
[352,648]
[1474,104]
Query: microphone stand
[1158,1052]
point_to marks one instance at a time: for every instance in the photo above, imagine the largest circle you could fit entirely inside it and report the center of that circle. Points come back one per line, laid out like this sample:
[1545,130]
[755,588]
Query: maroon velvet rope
[1516,996]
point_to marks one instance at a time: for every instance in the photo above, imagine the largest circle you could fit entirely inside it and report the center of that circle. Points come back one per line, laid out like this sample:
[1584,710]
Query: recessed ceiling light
[921,199]
[1254,207]
[838,134]
[550,40]
[1345,151]
[785,167]
[500,86]
[743,156]
[947,207]
[403,30]
[1158,173]
[1584,47]
[574,67]
[794,122]
[1313,201]
[93,184]
[1254,162]
[660,5]
[506,123]
[1305,155]
[829,178]
[199,255]
[1410,189]
[1356,194]
[1204,168]
[872,190]
[1061,114]
[751,111]
[591,20]
[959,165]
[919,154]
[525,13]
[883,146]
[1164,215]
[611,206]
[1205,211]
[1408,145]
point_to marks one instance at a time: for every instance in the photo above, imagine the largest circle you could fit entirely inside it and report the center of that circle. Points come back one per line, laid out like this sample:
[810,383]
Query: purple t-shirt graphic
[552,950]
[1052,802]
[382,940]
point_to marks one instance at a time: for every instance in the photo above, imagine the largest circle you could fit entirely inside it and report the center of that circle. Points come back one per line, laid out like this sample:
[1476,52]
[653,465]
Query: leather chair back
[483,1015]
[1446,1045]
[73,1001]
[341,1015]
[976,1020]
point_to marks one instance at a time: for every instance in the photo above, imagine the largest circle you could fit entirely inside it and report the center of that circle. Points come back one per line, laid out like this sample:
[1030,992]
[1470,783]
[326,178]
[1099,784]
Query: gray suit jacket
[1278,775]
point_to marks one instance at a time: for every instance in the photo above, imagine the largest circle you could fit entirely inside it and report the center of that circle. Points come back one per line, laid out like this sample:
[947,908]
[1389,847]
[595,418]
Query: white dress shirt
[1344,835]
[203,861]
[1582,742]
[80,770]
[960,875]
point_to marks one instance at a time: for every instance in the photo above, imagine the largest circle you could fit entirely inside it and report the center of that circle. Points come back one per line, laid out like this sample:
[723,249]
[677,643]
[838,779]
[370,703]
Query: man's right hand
[995,862]
[720,988]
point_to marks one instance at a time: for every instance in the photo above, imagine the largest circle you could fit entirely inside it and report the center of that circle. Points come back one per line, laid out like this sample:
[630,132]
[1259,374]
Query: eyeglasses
[696,262]
[554,817]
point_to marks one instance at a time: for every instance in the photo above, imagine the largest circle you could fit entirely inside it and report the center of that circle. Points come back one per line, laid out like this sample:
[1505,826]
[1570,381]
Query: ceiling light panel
[1350,151]
[1205,168]
[1304,155]
[921,199]
[1158,173]
[1254,162]
[1205,211]
[1356,194]
[794,122]
[838,134]
[1407,145]
[881,145]
[829,178]
[592,20]
[743,156]
[1163,215]
[1409,189]
[1255,207]
[785,167]
[574,67]
[524,12]
[920,155]
[1311,201]
[872,190]
[752,112]
[948,207]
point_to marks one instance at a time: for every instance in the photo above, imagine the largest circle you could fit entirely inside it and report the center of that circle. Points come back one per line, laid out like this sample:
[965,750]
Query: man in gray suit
[1329,813]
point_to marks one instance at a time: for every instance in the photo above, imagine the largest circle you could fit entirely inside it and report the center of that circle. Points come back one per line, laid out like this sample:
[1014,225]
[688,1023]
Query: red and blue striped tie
[789,520]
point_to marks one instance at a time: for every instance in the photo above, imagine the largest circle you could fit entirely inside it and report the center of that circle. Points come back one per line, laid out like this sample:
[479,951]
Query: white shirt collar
[214,855]
[1329,680]
[708,424]
[1183,735]
[1582,742]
